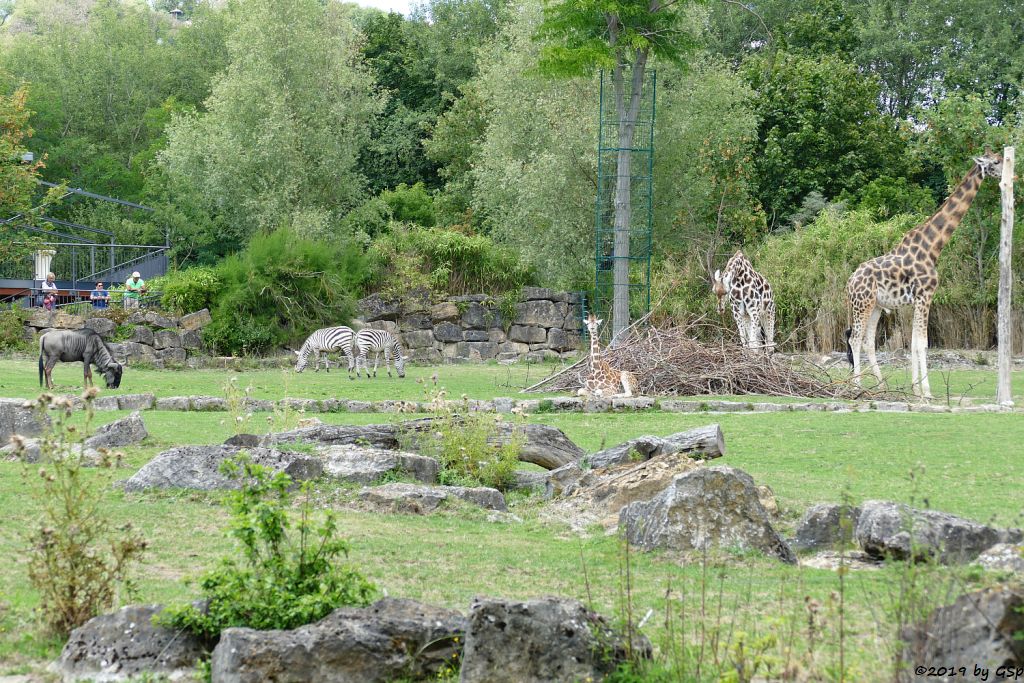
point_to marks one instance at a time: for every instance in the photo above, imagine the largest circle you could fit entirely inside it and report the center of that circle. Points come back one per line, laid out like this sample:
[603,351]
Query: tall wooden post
[1004,396]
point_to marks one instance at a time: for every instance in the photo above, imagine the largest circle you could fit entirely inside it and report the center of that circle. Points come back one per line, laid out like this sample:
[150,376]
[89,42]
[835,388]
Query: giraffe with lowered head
[908,275]
[604,381]
[750,296]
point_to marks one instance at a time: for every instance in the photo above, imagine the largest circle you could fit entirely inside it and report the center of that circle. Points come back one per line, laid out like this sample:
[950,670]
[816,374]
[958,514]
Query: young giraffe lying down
[604,381]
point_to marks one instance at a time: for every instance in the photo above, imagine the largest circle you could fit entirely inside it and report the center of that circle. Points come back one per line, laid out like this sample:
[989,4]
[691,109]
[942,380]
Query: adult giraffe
[907,275]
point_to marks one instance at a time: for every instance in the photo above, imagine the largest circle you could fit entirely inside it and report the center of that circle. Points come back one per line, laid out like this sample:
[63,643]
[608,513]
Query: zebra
[71,346]
[379,340]
[325,340]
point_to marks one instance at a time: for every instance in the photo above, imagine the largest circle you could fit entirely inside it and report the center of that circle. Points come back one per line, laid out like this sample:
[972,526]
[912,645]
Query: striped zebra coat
[378,340]
[329,339]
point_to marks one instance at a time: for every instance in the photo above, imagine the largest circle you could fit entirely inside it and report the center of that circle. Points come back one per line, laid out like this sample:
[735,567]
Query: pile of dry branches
[671,362]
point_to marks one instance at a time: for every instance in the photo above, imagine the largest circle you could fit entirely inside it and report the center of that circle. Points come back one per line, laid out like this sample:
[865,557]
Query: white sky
[400,6]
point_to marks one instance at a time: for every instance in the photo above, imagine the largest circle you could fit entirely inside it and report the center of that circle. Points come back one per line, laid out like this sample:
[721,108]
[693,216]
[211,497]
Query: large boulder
[704,443]
[979,630]
[389,640]
[195,321]
[543,640]
[375,307]
[103,326]
[540,313]
[124,432]
[16,418]
[418,499]
[886,529]
[706,507]
[125,644]
[198,467]
[365,465]
[825,527]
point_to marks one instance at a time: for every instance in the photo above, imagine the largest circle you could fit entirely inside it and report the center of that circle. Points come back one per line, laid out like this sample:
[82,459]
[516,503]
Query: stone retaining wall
[473,328]
[156,339]
[518,405]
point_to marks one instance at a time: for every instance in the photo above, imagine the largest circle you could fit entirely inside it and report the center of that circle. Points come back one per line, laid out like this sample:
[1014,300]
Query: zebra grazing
[326,340]
[379,340]
[71,346]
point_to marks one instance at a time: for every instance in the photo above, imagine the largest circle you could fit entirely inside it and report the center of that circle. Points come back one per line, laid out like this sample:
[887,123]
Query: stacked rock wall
[145,337]
[545,324]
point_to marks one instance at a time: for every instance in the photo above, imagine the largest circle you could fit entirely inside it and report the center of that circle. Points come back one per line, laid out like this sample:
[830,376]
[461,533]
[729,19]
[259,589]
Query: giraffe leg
[857,330]
[919,340]
[768,323]
[869,342]
[754,331]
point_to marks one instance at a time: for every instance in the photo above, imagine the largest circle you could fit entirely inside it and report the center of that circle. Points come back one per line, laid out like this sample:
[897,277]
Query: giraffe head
[593,323]
[721,289]
[990,163]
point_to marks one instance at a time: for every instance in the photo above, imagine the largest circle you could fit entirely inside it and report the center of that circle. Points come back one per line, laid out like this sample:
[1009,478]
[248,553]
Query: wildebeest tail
[40,367]
[849,349]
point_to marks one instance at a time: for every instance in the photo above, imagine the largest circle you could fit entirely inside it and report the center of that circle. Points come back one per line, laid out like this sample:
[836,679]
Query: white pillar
[1004,395]
[43,259]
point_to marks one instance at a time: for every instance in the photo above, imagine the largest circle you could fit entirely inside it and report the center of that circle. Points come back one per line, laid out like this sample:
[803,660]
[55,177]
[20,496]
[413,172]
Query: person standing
[134,288]
[99,297]
[49,288]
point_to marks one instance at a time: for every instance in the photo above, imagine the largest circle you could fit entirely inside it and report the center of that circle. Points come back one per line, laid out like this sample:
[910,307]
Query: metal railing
[77,302]
[77,262]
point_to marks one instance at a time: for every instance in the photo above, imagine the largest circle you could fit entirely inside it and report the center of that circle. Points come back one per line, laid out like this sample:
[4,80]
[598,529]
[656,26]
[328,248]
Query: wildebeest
[71,346]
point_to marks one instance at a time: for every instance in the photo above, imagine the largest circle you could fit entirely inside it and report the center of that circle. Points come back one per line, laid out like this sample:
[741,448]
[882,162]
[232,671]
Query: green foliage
[411,204]
[446,262]
[886,197]
[12,328]
[281,288]
[189,290]
[290,572]
[76,560]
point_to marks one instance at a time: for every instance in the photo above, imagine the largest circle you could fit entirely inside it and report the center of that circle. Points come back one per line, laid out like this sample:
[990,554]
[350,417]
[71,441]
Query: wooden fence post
[1004,395]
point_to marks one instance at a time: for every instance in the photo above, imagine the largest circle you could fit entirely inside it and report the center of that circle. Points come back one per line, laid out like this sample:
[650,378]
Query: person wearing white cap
[134,288]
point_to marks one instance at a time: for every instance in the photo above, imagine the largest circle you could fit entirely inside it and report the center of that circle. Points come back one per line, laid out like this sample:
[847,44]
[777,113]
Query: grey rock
[143,335]
[415,339]
[30,451]
[633,403]
[444,312]
[476,350]
[469,298]
[477,316]
[195,321]
[540,313]
[417,499]
[135,352]
[207,403]
[135,401]
[1007,557]
[704,443]
[136,318]
[105,403]
[978,630]
[389,640]
[103,326]
[124,432]
[534,293]
[154,318]
[476,335]
[541,641]
[707,507]
[527,334]
[198,467]
[172,355]
[826,526]
[559,340]
[540,356]
[567,404]
[172,403]
[886,529]
[447,332]
[386,325]
[15,418]
[166,339]
[364,465]
[124,644]
[415,321]
[498,336]
[191,340]
[374,308]
[300,405]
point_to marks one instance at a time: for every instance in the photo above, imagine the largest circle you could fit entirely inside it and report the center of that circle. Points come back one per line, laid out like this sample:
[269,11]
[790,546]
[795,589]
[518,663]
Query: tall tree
[621,36]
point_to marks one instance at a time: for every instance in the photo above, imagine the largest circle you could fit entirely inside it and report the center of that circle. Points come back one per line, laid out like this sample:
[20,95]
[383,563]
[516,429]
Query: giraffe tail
[849,349]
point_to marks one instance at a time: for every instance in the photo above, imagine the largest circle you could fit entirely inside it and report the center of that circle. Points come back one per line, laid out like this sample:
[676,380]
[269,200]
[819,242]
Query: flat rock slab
[826,526]
[416,499]
[198,467]
[389,640]
[124,432]
[365,465]
[886,529]
[124,644]
[541,641]
[15,418]
[707,507]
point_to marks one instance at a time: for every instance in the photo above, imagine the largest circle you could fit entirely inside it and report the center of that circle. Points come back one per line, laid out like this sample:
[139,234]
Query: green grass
[966,464]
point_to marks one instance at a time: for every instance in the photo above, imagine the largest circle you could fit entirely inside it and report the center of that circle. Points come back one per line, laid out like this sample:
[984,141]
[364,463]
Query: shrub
[281,288]
[290,573]
[190,290]
[76,559]
[446,262]
[12,329]
[411,204]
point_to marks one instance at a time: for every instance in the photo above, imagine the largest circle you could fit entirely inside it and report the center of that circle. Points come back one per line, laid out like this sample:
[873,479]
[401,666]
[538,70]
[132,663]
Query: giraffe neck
[935,233]
[595,348]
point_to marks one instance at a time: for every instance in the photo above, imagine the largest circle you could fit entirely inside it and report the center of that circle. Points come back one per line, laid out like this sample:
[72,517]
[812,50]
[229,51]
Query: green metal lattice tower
[622,238]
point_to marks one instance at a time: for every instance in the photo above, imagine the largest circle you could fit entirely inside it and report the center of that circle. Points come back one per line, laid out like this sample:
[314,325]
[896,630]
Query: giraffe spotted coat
[753,304]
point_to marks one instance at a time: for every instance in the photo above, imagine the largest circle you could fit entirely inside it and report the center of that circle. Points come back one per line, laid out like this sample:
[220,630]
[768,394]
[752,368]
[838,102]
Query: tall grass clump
[77,559]
[281,288]
[189,290]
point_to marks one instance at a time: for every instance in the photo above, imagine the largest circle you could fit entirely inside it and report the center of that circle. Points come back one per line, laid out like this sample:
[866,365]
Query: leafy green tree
[284,125]
[621,36]
[820,130]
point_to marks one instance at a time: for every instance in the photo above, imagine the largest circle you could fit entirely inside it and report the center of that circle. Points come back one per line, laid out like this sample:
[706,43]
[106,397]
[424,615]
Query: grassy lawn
[966,464]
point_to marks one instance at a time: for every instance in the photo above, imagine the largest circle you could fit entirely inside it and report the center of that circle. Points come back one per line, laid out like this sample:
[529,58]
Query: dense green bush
[446,262]
[12,328]
[187,291]
[291,573]
[280,288]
